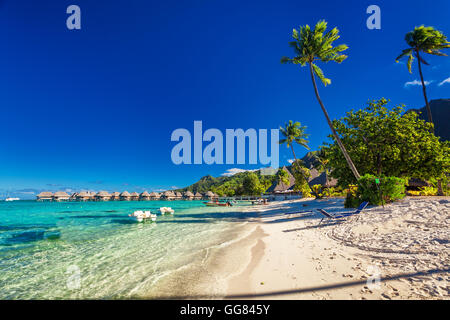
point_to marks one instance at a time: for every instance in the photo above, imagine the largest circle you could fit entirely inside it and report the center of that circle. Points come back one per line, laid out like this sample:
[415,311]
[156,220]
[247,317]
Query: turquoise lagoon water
[45,246]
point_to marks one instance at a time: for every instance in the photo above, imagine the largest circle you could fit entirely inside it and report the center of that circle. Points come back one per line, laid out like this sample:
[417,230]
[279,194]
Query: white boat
[164,210]
[140,215]
[12,199]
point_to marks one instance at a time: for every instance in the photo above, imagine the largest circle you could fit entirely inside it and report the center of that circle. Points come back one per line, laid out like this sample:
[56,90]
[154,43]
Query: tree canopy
[388,142]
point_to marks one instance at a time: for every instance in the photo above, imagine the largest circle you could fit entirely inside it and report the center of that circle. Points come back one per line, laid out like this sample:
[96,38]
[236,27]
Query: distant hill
[440,110]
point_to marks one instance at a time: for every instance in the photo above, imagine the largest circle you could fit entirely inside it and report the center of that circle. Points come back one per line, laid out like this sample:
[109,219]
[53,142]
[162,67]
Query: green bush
[389,189]
[352,201]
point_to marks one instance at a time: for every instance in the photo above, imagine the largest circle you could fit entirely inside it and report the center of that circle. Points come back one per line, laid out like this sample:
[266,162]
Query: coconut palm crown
[423,39]
[427,40]
[294,132]
[316,45]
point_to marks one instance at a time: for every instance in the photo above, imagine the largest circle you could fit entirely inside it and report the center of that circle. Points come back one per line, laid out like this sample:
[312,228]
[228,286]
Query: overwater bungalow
[102,196]
[45,196]
[188,195]
[60,196]
[125,196]
[168,195]
[144,196]
[211,196]
[198,196]
[84,196]
[178,195]
[115,196]
[154,196]
[134,196]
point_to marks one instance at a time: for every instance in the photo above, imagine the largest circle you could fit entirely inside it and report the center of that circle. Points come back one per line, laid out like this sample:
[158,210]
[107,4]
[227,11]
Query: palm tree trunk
[430,116]
[338,140]
[301,171]
[424,88]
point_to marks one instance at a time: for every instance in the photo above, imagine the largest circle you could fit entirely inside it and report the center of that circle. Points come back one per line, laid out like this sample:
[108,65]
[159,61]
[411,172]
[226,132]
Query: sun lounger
[338,216]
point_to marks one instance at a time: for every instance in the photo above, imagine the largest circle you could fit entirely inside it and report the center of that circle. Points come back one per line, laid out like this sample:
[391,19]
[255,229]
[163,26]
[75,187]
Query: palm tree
[426,40]
[316,45]
[295,132]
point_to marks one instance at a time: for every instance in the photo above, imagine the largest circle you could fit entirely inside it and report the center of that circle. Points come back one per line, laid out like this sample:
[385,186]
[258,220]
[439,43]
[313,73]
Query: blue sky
[94,108]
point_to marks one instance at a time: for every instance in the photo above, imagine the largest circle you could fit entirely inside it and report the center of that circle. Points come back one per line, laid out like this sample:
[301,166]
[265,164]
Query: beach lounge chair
[337,216]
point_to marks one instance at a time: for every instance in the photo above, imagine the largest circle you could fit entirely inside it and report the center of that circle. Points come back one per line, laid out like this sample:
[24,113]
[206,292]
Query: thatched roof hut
[198,196]
[73,196]
[134,196]
[84,196]
[188,195]
[125,196]
[178,195]
[211,195]
[321,178]
[115,196]
[45,196]
[60,196]
[279,186]
[102,196]
[168,195]
[155,196]
[144,196]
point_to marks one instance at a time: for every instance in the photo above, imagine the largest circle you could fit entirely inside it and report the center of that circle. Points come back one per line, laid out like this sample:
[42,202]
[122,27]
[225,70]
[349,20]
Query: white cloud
[233,171]
[291,161]
[444,82]
[417,83]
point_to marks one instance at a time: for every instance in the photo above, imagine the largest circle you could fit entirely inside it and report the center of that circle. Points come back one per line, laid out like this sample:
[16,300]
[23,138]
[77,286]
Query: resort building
[211,195]
[280,187]
[115,196]
[102,196]
[134,196]
[168,195]
[84,196]
[188,195]
[45,196]
[60,196]
[154,196]
[125,196]
[144,196]
[178,195]
[198,196]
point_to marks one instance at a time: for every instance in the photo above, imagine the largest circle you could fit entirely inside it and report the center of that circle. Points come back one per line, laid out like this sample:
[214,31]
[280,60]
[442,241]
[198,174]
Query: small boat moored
[165,210]
[140,215]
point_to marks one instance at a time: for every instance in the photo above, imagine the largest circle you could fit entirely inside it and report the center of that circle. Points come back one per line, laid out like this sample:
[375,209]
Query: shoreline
[291,258]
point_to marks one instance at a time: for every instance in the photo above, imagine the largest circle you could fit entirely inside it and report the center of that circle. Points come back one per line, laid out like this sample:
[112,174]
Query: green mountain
[440,110]
[230,185]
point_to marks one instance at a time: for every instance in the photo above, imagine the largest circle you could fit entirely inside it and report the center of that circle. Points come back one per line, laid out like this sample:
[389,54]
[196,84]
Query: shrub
[389,189]
[317,190]
[352,199]
[424,191]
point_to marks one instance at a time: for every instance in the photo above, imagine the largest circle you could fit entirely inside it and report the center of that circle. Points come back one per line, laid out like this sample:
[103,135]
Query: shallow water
[75,250]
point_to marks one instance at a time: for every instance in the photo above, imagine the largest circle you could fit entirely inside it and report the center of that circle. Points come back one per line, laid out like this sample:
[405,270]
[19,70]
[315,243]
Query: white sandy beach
[289,257]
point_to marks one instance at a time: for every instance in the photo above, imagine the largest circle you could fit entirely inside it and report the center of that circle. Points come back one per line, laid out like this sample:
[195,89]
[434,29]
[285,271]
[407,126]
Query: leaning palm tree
[426,40]
[316,45]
